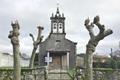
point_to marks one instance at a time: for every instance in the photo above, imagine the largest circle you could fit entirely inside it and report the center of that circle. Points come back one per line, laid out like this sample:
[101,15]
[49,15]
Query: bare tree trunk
[88,68]
[16,52]
[93,42]
[35,45]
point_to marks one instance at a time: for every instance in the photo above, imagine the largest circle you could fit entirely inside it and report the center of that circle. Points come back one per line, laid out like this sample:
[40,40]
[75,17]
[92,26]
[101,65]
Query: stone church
[56,51]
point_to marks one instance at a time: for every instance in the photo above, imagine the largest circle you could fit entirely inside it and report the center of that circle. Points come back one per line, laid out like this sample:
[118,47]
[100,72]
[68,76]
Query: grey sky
[31,13]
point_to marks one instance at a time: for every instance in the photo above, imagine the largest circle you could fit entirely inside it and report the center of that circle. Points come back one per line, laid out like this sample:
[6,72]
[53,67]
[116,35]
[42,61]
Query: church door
[56,62]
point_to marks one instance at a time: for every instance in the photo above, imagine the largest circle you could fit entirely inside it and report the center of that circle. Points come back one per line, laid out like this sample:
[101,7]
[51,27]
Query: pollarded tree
[35,45]
[92,43]
[14,36]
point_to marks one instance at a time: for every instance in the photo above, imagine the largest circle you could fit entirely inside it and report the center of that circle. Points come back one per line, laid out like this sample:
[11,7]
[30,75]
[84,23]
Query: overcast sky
[31,13]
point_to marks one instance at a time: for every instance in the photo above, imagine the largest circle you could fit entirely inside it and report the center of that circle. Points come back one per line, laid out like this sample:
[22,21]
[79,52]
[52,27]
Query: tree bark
[93,42]
[35,46]
[14,36]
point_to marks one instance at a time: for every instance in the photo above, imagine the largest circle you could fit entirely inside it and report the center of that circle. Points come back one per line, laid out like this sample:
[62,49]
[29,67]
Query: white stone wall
[7,61]
[24,63]
[80,61]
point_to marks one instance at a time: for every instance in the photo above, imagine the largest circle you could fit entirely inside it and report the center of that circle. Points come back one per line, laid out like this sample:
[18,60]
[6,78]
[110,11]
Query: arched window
[60,27]
[54,27]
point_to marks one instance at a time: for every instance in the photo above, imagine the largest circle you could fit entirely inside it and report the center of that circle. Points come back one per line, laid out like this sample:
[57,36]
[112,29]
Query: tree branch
[108,32]
[41,38]
[31,35]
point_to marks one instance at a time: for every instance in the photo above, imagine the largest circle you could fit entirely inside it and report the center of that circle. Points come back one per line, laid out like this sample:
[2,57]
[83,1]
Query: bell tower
[57,23]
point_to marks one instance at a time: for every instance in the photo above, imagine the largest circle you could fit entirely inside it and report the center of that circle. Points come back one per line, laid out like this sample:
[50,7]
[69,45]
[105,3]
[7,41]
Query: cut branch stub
[39,27]
[89,27]
[87,21]
[97,23]
[39,32]
[96,19]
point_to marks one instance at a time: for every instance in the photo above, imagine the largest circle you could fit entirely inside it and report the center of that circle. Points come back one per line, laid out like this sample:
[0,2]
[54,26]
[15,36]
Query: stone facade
[57,51]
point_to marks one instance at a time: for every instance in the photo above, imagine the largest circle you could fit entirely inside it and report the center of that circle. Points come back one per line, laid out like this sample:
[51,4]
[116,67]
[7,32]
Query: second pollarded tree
[92,43]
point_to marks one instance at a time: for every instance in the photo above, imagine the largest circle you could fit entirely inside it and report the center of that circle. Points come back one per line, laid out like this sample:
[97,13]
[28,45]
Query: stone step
[58,75]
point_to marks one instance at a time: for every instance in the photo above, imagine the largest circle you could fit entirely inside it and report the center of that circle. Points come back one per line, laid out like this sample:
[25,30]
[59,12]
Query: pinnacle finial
[57,4]
[57,7]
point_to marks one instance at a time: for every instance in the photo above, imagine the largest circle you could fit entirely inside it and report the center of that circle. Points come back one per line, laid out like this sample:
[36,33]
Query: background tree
[14,36]
[35,45]
[92,43]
